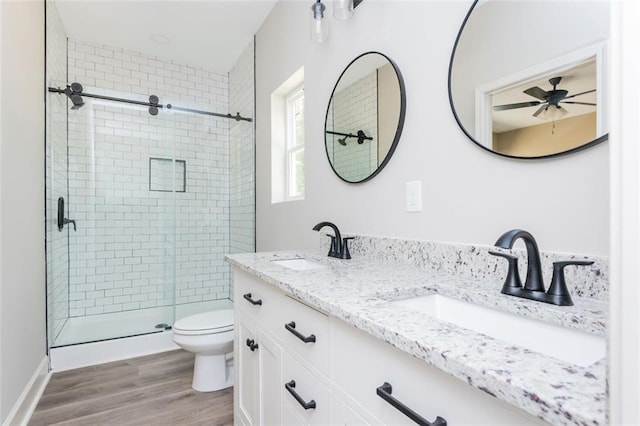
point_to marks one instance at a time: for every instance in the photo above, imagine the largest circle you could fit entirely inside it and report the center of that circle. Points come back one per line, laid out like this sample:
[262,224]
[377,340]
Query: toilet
[210,336]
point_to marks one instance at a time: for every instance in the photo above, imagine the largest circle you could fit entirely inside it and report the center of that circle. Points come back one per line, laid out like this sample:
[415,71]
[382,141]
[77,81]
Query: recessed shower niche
[154,161]
[167,175]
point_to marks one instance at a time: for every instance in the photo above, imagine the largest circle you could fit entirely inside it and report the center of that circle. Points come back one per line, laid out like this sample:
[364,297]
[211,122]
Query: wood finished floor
[150,390]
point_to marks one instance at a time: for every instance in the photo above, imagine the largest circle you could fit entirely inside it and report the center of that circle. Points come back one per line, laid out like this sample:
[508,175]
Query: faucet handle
[333,250]
[558,288]
[345,248]
[513,275]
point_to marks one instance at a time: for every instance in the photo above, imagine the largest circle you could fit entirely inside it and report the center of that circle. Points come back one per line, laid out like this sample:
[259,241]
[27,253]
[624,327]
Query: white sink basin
[572,346]
[299,264]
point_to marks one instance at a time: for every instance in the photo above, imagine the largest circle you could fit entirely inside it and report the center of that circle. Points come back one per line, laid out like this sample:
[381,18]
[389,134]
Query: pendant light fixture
[319,27]
[343,9]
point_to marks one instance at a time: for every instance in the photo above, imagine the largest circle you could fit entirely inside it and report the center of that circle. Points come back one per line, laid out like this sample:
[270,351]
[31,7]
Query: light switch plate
[414,196]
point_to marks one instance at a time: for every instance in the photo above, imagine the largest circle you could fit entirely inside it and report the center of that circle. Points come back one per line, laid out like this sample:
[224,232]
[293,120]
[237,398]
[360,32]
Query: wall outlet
[414,196]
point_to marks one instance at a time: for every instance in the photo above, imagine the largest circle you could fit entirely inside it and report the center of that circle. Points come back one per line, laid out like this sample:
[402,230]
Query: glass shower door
[57,240]
[121,182]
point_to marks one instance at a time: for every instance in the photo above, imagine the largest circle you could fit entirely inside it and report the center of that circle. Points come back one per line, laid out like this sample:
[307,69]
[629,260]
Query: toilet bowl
[210,336]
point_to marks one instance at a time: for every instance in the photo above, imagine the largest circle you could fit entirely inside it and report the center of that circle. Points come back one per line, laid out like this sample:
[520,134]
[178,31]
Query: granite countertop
[358,292]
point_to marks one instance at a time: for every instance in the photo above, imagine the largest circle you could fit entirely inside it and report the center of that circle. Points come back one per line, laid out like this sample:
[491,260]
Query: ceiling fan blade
[537,92]
[539,110]
[577,103]
[581,93]
[514,106]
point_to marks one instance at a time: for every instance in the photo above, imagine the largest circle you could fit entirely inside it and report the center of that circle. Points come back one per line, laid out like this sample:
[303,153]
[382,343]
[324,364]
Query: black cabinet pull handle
[248,298]
[384,392]
[291,327]
[252,344]
[306,405]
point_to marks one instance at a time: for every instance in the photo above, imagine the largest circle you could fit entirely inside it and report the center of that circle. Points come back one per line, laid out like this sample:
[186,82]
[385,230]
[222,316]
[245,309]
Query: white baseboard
[77,356]
[21,412]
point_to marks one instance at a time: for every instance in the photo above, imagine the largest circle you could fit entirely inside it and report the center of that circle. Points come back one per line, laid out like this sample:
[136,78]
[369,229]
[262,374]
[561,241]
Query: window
[294,144]
[287,140]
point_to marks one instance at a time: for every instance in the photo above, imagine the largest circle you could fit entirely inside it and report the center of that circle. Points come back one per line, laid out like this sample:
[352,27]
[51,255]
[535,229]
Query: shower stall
[149,183]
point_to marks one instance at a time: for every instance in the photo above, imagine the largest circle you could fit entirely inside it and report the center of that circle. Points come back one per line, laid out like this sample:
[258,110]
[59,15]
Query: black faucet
[339,247]
[534,280]
[558,293]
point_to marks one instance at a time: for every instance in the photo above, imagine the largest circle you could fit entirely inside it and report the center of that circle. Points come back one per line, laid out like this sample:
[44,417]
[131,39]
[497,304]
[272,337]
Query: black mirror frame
[396,138]
[594,142]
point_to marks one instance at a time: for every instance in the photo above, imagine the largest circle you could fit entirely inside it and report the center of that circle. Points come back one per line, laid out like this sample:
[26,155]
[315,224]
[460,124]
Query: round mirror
[527,79]
[365,117]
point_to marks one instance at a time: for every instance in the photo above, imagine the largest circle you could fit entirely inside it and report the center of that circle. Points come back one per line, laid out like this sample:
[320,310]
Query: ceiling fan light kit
[551,112]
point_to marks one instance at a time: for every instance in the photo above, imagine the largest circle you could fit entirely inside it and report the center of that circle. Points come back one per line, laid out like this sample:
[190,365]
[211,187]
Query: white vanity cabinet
[307,368]
[282,353]
[362,364]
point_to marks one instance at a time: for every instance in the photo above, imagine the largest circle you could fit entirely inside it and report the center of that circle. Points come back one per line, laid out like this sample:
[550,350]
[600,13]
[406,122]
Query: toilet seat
[213,322]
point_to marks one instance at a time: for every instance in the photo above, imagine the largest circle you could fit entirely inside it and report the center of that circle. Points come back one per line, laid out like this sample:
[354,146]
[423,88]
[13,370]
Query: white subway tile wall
[56,174]
[122,255]
[355,108]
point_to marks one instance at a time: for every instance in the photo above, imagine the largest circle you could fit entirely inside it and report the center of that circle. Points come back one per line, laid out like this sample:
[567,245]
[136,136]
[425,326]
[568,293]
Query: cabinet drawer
[302,388]
[305,331]
[258,300]
[362,364]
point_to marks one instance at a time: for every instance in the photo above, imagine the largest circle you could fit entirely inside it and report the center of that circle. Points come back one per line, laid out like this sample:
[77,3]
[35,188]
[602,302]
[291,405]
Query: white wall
[22,274]
[2,413]
[469,196]
[624,316]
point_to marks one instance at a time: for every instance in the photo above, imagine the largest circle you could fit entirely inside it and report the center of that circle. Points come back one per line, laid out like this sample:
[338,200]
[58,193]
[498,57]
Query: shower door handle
[62,221]
[70,221]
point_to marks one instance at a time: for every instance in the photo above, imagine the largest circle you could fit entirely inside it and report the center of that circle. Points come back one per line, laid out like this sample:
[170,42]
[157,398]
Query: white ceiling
[206,33]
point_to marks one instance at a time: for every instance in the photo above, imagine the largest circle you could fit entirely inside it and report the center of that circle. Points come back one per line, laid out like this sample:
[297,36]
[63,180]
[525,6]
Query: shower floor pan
[103,338]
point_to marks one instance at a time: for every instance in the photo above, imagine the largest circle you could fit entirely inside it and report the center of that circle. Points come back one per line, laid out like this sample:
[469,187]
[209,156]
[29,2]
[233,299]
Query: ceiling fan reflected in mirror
[549,101]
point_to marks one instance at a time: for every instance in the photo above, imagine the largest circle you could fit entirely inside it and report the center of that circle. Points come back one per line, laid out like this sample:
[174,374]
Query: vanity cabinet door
[362,364]
[246,396]
[271,390]
[258,391]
